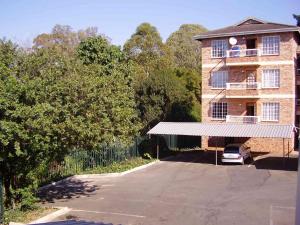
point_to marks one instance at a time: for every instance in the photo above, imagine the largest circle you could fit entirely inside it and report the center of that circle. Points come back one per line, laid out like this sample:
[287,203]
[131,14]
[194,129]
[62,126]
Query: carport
[283,131]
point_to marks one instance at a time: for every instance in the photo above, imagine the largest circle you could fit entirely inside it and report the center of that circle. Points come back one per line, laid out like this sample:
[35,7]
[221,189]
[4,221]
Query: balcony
[243,90]
[243,119]
[242,57]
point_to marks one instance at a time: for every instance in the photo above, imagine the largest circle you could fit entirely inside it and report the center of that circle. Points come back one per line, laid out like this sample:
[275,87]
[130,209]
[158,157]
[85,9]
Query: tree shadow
[76,222]
[67,189]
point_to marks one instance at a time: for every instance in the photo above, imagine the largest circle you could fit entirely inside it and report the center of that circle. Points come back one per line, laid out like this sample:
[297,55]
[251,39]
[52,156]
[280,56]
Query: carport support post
[217,152]
[157,147]
[283,152]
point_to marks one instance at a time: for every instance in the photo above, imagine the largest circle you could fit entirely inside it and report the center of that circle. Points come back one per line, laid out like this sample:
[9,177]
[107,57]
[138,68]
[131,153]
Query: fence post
[1,201]
[136,146]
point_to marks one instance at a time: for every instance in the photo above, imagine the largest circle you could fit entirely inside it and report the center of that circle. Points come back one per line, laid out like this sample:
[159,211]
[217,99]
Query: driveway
[182,191]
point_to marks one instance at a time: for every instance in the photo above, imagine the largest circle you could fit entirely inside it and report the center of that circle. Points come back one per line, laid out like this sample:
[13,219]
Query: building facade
[250,74]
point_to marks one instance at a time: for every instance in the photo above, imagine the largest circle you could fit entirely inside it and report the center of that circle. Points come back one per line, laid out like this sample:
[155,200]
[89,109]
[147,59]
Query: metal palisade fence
[1,201]
[79,161]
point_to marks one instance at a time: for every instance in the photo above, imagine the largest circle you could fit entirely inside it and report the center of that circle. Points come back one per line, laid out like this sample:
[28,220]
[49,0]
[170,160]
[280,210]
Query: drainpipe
[298,188]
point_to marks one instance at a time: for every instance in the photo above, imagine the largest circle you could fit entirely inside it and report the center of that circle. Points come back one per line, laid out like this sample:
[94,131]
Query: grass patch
[16,215]
[117,167]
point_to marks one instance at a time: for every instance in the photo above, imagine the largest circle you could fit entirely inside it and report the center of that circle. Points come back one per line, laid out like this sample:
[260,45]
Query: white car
[236,153]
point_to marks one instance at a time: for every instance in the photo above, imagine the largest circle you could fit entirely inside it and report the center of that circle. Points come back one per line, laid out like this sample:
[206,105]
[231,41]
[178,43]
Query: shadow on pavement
[76,222]
[277,163]
[266,161]
[195,156]
[70,188]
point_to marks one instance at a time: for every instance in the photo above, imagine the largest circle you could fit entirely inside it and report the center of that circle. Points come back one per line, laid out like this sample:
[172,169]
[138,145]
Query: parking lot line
[111,213]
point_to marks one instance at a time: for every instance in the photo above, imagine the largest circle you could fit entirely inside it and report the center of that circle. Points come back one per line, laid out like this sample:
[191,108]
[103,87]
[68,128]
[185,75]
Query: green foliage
[118,167]
[156,96]
[75,90]
[185,50]
[98,50]
[167,82]
[21,216]
[63,39]
[27,199]
[147,156]
[147,49]
[51,103]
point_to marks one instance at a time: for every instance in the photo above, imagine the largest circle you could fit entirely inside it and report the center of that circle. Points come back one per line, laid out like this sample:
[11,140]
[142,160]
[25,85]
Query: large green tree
[51,103]
[147,49]
[185,50]
[162,97]
[63,38]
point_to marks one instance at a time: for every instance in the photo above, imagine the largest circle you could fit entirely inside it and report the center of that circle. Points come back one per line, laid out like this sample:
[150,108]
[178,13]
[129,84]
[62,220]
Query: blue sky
[22,20]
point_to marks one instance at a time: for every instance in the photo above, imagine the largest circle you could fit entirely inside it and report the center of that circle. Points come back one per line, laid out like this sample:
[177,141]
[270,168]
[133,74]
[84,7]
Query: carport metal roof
[223,129]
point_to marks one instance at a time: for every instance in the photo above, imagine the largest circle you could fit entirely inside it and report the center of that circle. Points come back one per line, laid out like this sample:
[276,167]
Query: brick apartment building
[250,74]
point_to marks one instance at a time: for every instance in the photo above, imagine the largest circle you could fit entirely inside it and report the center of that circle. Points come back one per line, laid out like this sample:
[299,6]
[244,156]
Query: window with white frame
[218,48]
[219,79]
[270,111]
[271,78]
[219,110]
[270,45]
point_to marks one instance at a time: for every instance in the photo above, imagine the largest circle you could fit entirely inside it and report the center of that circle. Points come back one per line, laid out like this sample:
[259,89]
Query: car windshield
[231,149]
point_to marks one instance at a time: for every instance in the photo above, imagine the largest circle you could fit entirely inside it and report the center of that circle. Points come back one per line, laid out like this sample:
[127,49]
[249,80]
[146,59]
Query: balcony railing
[242,53]
[243,85]
[242,119]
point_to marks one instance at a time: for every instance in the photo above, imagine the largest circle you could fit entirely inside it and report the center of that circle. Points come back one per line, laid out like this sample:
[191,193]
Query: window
[270,45]
[219,48]
[219,79]
[219,110]
[271,78]
[270,111]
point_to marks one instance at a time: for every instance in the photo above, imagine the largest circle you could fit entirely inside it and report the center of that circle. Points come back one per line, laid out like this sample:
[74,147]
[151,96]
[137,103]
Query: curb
[51,216]
[47,218]
[102,175]
[139,168]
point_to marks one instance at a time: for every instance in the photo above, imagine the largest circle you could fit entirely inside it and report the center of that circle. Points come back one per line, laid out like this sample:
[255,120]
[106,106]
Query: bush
[27,199]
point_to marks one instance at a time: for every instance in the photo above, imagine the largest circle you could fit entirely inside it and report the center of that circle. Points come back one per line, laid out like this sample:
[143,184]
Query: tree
[63,38]
[51,103]
[162,97]
[147,49]
[97,50]
[297,17]
[185,50]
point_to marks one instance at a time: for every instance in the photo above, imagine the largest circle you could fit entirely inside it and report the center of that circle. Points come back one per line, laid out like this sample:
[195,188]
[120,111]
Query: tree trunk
[8,195]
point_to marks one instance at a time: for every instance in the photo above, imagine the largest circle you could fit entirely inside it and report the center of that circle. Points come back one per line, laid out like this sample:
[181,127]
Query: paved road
[182,192]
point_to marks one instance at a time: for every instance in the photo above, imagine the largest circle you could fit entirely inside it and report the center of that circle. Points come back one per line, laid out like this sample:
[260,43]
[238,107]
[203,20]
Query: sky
[22,20]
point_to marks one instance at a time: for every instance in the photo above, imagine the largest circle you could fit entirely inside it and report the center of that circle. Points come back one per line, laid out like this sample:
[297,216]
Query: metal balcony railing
[243,85]
[242,119]
[242,53]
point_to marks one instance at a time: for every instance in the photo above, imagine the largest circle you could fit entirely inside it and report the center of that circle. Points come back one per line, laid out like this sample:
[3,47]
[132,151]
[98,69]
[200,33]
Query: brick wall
[266,145]
[287,48]
[285,95]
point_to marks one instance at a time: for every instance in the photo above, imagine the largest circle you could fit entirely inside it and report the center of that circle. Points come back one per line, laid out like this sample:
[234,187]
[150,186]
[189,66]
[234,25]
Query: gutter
[207,36]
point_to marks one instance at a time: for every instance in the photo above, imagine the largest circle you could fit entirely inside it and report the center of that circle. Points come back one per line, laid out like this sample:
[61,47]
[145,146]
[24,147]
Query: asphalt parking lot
[183,191]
